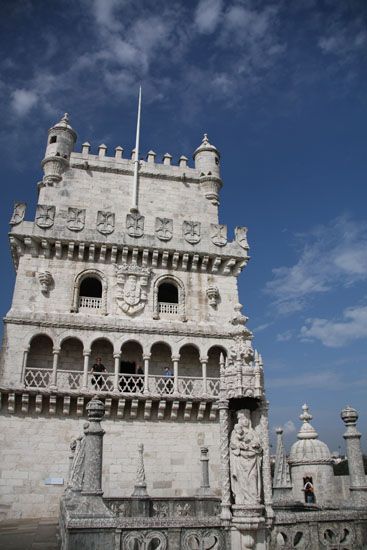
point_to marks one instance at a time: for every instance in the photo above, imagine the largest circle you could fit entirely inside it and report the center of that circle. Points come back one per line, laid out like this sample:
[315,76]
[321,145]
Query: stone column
[175,360]
[357,477]
[86,355]
[224,461]
[204,362]
[56,353]
[92,482]
[204,459]
[140,487]
[24,364]
[266,470]
[117,357]
[146,359]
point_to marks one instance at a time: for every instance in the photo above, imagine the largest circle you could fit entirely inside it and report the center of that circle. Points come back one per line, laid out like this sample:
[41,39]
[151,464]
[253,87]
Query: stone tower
[152,292]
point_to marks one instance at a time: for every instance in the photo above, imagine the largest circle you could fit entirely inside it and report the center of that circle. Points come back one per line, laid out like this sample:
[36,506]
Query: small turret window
[53,139]
[216,161]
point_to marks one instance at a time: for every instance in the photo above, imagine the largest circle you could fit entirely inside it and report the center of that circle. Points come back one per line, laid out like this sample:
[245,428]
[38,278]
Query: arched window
[53,139]
[90,292]
[169,298]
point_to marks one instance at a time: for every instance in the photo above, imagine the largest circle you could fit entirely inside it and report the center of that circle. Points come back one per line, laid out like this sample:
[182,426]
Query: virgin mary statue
[245,461]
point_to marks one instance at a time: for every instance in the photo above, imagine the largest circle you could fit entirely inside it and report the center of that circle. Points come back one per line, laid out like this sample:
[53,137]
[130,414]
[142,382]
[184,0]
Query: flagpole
[134,207]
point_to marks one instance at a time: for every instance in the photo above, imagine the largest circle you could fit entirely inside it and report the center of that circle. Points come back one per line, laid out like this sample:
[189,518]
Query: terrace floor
[29,534]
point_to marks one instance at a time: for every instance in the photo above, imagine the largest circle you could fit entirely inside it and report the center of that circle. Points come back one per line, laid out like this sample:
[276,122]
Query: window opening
[167,292]
[53,139]
[90,293]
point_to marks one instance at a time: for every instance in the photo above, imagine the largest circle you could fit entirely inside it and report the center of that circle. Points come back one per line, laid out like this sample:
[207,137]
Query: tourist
[97,379]
[309,491]
[139,373]
[168,375]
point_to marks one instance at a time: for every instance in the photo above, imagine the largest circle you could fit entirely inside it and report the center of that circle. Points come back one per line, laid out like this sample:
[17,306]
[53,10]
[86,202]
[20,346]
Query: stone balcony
[131,385]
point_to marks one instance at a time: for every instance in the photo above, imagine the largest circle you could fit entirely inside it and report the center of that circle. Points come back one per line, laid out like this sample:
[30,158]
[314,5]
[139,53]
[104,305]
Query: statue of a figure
[77,467]
[245,461]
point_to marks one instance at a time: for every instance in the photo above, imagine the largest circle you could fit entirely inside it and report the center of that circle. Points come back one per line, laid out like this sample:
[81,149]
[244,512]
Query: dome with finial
[63,124]
[308,449]
[206,146]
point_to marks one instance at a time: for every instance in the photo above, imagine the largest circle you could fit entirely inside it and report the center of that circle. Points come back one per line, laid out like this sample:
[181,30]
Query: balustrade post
[117,357]
[175,360]
[86,355]
[146,359]
[24,365]
[56,353]
[204,362]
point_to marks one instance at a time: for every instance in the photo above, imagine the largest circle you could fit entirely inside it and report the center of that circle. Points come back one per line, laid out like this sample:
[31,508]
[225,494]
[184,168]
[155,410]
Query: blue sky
[280,87]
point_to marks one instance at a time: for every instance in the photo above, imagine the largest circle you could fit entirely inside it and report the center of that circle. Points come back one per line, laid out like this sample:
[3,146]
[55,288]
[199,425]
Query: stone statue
[245,461]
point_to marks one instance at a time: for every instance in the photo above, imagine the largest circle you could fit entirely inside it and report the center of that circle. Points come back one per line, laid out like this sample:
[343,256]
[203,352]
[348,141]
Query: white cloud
[104,13]
[207,15]
[336,334]
[308,381]
[285,336]
[289,427]
[23,101]
[332,255]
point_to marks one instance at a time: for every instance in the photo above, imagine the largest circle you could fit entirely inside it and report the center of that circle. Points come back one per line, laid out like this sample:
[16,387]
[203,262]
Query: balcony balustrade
[127,384]
[87,302]
[168,308]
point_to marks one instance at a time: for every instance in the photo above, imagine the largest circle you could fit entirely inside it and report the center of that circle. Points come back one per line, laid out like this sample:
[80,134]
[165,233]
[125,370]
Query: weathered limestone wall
[34,449]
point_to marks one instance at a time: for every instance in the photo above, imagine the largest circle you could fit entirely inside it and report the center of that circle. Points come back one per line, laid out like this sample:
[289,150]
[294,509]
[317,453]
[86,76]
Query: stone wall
[34,449]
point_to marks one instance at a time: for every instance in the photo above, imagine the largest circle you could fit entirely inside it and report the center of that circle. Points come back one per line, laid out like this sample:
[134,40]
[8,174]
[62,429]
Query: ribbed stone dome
[308,449]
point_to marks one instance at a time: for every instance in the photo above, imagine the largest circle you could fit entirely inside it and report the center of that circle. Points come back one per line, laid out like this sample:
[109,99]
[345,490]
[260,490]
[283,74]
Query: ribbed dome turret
[308,449]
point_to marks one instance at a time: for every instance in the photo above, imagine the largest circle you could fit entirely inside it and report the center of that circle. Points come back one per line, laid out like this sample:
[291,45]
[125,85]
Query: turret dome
[308,449]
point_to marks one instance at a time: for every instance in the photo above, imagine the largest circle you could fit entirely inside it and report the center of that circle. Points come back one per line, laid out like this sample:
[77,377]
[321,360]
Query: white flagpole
[134,207]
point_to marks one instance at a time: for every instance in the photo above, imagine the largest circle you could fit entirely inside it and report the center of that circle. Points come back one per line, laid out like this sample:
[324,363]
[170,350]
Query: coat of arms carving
[105,222]
[45,216]
[132,280]
[164,228]
[241,237]
[76,219]
[135,225]
[18,213]
[192,232]
[218,234]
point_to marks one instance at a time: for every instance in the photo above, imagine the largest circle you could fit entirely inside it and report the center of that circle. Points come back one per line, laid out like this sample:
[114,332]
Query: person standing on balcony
[97,378]
[168,375]
[140,381]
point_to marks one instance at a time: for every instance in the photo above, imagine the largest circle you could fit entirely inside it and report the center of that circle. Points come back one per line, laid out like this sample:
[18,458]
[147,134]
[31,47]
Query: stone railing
[128,384]
[90,303]
[168,308]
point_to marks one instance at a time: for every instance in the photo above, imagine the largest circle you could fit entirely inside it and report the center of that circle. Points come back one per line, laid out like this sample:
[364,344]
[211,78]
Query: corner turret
[207,162]
[60,143]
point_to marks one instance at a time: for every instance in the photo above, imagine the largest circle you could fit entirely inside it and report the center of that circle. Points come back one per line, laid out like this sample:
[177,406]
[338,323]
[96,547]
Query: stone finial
[95,410]
[102,150]
[167,159]
[282,478]
[183,161]
[151,156]
[133,154]
[307,431]
[119,151]
[212,293]
[45,279]
[349,416]
[85,148]
[140,488]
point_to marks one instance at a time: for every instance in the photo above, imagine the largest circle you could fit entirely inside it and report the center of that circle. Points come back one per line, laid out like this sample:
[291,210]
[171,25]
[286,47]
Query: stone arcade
[109,269]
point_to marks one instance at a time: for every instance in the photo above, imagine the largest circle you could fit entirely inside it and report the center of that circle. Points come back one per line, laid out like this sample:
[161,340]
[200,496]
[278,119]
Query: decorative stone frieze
[45,216]
[75,219]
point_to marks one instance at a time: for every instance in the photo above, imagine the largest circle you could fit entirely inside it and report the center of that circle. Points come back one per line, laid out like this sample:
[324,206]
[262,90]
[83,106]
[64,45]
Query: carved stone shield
[76,219]
[192,232]
[218,234]
[105,222]
[45,216]
[164,228]
[135,225]
[132,280]
[18,213]
[241,236]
